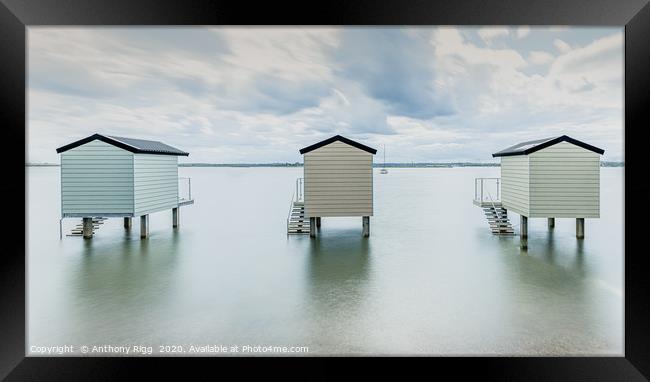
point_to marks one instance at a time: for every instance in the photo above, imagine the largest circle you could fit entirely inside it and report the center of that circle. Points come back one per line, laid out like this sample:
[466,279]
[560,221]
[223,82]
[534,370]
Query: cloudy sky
[231,95]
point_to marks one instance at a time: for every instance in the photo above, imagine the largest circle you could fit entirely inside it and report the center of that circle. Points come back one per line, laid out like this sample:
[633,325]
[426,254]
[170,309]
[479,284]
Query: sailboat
[383,170]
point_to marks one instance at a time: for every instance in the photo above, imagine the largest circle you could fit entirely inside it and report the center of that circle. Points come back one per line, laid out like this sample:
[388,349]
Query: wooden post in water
[580,228]
[175,217]
[318,222]
[523,232]
[312,227]
[144,226]
[366,226]
[87,228]
[127,222]
[551,222]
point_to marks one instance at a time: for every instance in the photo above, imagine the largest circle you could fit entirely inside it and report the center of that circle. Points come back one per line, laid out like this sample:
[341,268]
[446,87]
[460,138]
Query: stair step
[79,228]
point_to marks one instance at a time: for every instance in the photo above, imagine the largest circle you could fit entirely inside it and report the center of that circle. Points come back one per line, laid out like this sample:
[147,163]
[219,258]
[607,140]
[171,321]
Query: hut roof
[139,146]
[341,139]
[529,147]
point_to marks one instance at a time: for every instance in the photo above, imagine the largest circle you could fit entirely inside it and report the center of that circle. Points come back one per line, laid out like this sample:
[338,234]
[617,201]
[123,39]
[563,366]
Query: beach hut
[106,176]
[337,181]
[548,178]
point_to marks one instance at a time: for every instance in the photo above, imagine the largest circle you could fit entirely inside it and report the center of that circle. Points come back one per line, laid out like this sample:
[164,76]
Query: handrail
[300,183]
[290,208]
[189,186]
[298,195]
[480,195]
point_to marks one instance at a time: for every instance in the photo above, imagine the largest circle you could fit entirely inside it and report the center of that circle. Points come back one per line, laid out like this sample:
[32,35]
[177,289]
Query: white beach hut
[337,181]
[106,176]
[548,178]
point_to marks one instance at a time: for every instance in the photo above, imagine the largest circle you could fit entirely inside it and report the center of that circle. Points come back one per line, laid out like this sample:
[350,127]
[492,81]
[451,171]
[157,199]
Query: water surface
[431,279]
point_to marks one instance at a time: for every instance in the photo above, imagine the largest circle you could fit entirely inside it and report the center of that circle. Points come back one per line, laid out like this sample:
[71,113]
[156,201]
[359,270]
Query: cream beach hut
[337,181]
[105,176]
[549,178]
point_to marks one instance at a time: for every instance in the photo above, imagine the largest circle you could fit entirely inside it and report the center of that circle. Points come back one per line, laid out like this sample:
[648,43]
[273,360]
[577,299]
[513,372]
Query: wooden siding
[338,181]
[564,182]
[515,184]
[155,182]
[96,180]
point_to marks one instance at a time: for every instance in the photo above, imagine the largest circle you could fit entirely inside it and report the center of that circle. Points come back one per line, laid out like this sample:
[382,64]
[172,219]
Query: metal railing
[300,190]
[184,188]
[484,188]
[298,195]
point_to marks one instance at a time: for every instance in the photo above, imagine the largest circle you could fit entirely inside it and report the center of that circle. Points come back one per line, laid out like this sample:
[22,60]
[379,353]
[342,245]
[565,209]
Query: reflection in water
[555,277]
[338,278]
[130,275]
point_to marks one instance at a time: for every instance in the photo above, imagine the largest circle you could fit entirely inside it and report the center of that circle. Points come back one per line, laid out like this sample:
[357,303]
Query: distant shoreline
[376,165]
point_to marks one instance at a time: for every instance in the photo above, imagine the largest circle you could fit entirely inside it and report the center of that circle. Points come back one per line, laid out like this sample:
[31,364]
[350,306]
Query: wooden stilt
[580,228]
[127,222]
[366,226]
[523,232]
[551,222]
[318,222]
[87,228]
[144,226]
[175,217]
[523,226]
[312,227]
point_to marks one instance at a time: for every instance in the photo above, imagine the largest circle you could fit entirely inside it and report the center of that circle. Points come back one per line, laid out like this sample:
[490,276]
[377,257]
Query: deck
[487,203]
[185,202]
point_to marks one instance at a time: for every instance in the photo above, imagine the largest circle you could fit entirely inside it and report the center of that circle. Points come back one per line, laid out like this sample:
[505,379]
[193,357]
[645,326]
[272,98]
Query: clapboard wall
[155,182]
[564,182]
[96,180]
[338,181]
[515,181]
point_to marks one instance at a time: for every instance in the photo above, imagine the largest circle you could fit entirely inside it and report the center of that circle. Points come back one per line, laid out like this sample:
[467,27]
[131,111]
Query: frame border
[17,15]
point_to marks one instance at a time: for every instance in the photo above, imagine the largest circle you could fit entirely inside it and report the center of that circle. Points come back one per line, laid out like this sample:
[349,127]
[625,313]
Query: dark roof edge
[552,142]
[113,142]
[338,138]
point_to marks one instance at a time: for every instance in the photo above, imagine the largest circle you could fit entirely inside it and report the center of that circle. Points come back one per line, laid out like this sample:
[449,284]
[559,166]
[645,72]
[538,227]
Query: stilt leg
[318,222]
[144,226]
[580,228]
[523,231]
[127,222]
[312,227]
[551,222]
[175,217]
[87,228]
[366,226]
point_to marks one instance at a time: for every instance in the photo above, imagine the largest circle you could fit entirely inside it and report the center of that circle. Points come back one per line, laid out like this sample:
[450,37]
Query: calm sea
[431,279]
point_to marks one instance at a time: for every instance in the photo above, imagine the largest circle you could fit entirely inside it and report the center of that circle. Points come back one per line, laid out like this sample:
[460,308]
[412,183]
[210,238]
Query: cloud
[561,46]
[258,94]
[491,33]
[537,57]
[523,31]
[392,66]
[597,67]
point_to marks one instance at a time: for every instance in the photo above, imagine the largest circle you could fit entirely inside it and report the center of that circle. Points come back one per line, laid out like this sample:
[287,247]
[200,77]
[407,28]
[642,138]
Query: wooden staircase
[297,224]
[78,230]
[497,218]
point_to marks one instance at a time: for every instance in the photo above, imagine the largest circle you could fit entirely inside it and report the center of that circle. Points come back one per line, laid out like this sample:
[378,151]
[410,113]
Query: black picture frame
[16,15]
